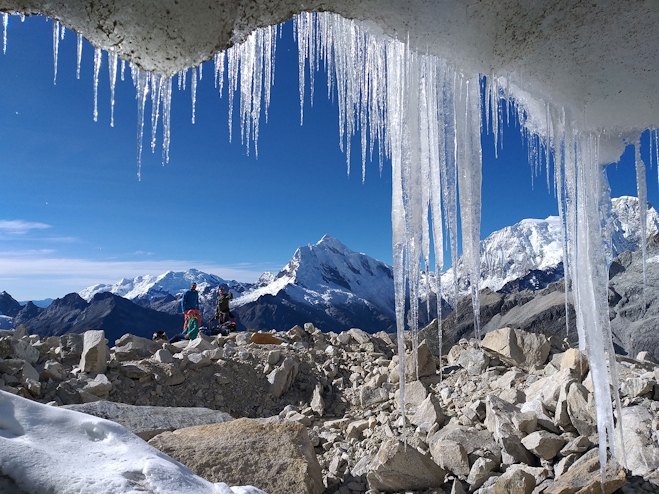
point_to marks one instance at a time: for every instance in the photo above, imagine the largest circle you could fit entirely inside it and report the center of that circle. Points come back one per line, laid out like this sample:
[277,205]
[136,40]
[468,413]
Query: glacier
[415,78]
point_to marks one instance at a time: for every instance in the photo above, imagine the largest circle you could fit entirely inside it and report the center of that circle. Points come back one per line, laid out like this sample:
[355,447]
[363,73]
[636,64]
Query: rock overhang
[598,60]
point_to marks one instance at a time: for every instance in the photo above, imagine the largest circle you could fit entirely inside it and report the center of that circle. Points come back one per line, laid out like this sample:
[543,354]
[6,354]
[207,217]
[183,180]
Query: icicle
[79,56]
[642,191]
[123,69]
[469,182]
[56,29]
[193,92]
[5,24]
[156,96]
[112,71]
[166,96]
[142,81]
[98,56]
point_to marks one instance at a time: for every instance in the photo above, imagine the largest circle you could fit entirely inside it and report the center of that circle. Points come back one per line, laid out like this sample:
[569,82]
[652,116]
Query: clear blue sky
[72,212]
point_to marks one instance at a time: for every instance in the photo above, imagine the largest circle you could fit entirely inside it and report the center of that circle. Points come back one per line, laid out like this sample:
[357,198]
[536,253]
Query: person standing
[222,311]
[192,317]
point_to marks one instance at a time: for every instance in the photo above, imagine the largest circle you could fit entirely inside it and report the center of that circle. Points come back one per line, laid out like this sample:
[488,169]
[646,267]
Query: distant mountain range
[529,254]
[325,283]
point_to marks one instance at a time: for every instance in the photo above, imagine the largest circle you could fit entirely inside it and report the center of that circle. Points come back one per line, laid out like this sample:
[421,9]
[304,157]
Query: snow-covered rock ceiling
[600,58]
[582,78]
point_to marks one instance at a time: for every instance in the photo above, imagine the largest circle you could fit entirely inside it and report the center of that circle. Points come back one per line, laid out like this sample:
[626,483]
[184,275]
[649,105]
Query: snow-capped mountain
[536,245]
[334,285]
[163,292]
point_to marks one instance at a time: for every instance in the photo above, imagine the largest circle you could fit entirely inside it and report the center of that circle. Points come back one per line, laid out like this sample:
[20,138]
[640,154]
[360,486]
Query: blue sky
[72,212]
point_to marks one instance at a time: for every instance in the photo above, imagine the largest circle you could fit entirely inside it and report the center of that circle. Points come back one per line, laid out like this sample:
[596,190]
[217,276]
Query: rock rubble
[513,415]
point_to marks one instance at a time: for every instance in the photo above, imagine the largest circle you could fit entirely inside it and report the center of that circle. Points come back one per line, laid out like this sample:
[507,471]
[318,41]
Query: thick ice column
[470,162]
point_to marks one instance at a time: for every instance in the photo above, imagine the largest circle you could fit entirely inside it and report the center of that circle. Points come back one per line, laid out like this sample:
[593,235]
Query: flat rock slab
[277,457]
[585,478]
[148,421]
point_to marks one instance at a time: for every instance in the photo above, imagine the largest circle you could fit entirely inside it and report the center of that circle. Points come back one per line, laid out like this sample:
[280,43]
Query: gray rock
[642,452]
[515,482]
[71,345]
[99,386]
[359,335]
[275,457]
[22,349]
[636,386]
[163,356]
[415,394]
[198,360]
[94,358]
[428,414]
[53,370]
[581,409]
[575,360]
[398,468]
[519,348]
[474,361]
[543,444]
[317,403]
[371,396]
[480,471]
[499,422]
[451,456]
[282,377]
[148,421]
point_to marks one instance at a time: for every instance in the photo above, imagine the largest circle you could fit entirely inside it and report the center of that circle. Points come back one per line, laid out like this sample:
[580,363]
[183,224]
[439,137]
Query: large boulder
[282,377]
[517,347]
[94,359]
[148,421]
[641,449]
[398,468]
[585,477]
[277,457]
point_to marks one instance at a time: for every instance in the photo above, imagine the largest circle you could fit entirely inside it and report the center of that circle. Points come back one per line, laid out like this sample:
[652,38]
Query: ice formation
[409,79]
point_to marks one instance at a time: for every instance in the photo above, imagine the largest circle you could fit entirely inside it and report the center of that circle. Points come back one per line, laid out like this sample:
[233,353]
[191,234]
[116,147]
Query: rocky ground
[310,412]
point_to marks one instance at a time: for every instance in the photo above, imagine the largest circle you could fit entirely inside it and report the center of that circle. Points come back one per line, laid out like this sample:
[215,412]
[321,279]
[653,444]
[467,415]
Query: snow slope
[50,449]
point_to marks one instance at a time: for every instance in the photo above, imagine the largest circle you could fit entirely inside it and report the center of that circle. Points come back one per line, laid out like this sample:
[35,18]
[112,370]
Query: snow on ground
[49,449]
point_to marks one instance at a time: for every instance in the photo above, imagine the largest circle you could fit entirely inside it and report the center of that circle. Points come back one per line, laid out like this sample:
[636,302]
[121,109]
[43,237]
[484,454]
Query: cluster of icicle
[426,118]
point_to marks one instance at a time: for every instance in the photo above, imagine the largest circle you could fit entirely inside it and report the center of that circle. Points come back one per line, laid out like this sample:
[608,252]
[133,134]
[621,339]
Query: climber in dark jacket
[190,299]
[222,311]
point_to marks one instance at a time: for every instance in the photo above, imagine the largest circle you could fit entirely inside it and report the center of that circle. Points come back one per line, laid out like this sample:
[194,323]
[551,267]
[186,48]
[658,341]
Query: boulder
[585,477]
[398,468]
[642,452]
[22,349]
[451,456]
[131,347]
[99,386]
[518,347]
[581,409]
[480,471]
[499,421]
[71,345]
[415,393]
[369,395]
[282,377]
[359,335]
[53,370]
[148,421]
[94,358]
[515,482]
[577,361]
[543,444]
[474,361]
[428,414]
[276,457]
